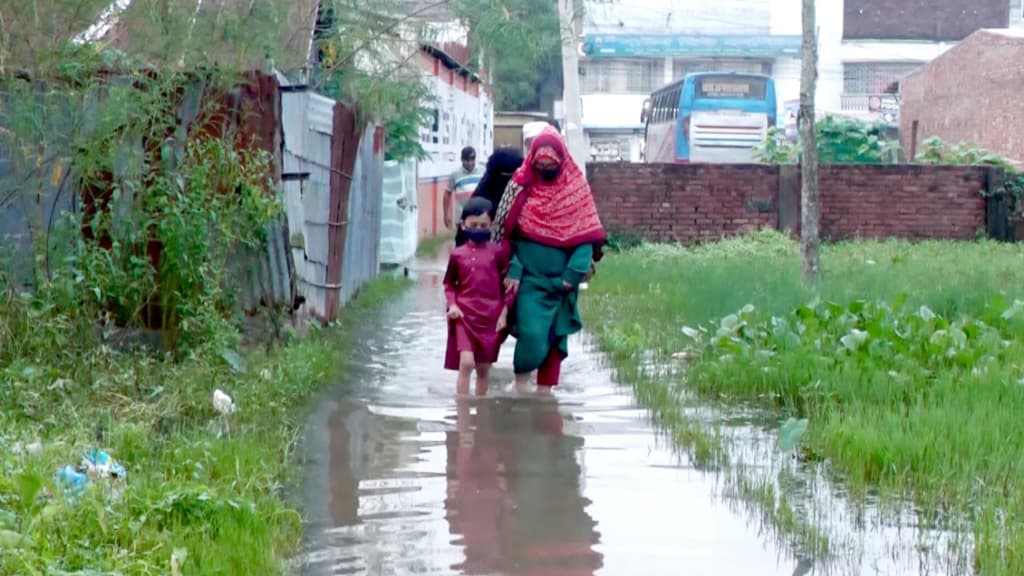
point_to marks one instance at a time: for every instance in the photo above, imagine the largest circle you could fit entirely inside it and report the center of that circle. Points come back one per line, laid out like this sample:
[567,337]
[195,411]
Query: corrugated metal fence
[361,261]
[329,173]
[332,186]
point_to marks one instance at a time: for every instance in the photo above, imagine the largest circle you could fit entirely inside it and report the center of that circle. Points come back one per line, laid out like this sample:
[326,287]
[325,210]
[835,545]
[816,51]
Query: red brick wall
[903,201]
[698,202]
[969,94]
[687,203]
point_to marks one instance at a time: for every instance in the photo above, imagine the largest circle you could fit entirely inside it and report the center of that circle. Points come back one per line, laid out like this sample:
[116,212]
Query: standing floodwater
[405,478]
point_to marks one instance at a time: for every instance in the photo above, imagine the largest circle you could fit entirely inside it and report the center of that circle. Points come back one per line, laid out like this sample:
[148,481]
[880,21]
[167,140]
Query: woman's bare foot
[523,383]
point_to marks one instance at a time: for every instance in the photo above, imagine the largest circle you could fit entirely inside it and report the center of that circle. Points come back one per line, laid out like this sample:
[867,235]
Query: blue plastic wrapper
[102,463]
[71,480]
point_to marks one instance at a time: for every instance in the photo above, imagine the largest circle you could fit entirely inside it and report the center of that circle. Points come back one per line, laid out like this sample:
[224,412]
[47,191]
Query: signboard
[887,106]
[652,45]
[791,108]
[731,87]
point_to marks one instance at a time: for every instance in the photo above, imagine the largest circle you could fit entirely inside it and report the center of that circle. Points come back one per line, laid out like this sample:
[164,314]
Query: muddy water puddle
[405,478]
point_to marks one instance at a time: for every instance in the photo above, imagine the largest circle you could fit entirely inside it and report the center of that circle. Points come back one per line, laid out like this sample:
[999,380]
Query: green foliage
[839,141]
[522,43]
[105,124]
[902,348]
[935,151]
[352,43]
[213,504]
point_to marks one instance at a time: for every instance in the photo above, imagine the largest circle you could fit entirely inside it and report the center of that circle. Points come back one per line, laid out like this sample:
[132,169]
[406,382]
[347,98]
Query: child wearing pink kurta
[477,302]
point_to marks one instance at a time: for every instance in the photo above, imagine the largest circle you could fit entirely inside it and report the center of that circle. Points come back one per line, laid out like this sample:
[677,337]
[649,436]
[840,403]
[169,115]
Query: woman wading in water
[548,217]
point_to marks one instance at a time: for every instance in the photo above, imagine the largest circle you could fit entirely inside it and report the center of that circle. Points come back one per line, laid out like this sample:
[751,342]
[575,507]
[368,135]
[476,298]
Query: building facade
[631,48]
[969,94]
[461,114]
[884,40]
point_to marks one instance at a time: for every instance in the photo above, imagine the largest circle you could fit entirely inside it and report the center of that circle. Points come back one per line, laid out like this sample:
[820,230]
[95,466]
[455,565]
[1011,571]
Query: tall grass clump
[906,363]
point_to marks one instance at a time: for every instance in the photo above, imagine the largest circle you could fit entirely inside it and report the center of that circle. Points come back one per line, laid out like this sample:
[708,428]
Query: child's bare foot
[483,372]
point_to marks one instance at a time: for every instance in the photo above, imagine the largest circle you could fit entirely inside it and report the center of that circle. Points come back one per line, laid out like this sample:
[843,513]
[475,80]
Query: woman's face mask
[546,164]
[548,174]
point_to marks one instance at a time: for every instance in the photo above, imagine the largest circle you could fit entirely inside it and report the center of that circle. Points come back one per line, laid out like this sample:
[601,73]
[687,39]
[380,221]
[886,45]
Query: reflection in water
[514,500]
[404,478]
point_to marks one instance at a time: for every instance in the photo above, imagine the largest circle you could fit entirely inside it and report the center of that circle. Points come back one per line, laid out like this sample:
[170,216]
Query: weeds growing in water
[907,364]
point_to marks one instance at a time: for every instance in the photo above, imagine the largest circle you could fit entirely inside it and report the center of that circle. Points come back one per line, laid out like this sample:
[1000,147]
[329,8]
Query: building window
[875,77]
[680,68]
[620,76]
[430,133]
[596,77]
[639,77]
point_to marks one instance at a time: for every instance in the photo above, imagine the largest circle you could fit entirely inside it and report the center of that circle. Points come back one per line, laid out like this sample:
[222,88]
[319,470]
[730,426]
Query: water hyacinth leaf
[926,314]
[8,519]
[233,360]
[792,340]
[11,540]
[790,434]
[858,306]
[959,338]
[880,348]
[691,333]
[854,340]
[730,322]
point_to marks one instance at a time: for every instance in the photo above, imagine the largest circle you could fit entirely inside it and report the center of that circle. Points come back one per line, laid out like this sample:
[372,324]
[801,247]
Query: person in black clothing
[500,167]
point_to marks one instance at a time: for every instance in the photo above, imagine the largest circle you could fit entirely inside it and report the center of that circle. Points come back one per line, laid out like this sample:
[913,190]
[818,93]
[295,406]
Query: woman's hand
[511,285]
[502,320]
[454,313]
[566,286]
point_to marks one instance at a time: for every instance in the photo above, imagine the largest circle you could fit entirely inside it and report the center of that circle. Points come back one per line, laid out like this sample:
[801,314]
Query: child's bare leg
[466,366]
[483,372]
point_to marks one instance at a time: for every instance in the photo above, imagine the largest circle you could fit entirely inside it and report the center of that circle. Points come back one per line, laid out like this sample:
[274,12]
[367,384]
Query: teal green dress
[546,312]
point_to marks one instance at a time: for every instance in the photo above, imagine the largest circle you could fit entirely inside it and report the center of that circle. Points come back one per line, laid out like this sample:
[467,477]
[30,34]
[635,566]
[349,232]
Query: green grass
[905,401]
[216,504]
[430,247]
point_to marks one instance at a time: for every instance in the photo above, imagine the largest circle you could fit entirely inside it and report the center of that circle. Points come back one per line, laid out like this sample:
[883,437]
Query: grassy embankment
[430,247]
[908,369]
[193,503]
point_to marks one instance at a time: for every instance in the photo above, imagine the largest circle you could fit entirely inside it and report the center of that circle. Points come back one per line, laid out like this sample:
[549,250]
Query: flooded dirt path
[405,478]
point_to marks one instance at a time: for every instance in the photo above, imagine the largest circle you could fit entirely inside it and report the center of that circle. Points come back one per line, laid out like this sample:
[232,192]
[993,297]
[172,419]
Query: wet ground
[406,478]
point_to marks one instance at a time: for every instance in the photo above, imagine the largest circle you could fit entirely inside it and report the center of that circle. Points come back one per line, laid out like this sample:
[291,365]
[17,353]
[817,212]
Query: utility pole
[809,205]
[567,15]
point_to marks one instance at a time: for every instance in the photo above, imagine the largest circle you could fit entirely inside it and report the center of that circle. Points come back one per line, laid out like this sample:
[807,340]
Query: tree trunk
[809,206]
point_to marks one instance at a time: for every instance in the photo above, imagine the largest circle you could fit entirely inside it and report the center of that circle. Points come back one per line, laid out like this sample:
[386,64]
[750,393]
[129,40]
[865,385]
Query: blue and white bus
[713,117]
